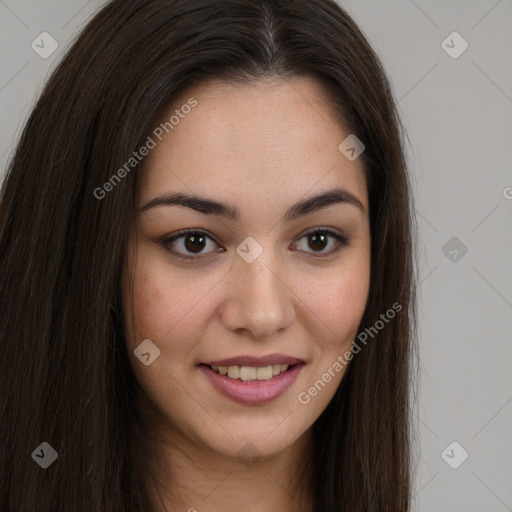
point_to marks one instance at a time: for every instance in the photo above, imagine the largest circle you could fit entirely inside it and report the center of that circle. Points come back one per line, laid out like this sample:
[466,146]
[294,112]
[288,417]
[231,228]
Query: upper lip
[256,361]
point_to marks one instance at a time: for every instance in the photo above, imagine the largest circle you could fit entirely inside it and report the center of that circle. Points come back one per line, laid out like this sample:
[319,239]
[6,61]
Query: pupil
[197,243]
[316,237]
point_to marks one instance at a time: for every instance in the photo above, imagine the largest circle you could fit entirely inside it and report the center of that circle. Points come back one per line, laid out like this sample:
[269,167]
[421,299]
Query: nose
[258,298]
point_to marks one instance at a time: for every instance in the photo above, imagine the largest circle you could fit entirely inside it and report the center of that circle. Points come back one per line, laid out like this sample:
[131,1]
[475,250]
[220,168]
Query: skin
[262,146]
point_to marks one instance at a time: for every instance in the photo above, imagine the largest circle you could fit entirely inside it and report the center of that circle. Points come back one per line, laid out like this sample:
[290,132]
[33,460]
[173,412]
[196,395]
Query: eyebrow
[299,209]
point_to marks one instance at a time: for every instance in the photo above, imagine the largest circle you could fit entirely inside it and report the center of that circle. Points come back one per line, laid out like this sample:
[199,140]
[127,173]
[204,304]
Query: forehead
[269,139]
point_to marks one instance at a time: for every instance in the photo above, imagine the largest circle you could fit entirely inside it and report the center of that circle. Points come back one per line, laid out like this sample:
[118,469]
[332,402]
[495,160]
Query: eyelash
[341,242]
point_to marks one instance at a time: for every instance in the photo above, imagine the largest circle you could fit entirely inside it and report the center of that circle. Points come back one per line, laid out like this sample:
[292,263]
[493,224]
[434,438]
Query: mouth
[250,383]
[248,373]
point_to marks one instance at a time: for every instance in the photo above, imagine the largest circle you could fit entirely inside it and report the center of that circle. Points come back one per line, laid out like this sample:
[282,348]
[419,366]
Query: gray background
[458,116]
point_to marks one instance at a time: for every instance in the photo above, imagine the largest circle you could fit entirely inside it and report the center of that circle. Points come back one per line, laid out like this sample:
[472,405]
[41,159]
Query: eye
[188,240]
[318,240]
[190,244]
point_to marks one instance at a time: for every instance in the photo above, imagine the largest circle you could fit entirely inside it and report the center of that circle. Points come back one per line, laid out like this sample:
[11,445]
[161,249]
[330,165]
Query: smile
[252,385]
[247,373]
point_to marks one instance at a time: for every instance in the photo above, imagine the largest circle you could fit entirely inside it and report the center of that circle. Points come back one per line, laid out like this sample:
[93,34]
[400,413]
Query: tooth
[233,372]
[247,373]
[264,373]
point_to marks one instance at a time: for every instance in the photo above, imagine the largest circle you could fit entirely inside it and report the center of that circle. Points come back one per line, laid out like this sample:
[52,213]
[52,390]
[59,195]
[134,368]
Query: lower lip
[253,392]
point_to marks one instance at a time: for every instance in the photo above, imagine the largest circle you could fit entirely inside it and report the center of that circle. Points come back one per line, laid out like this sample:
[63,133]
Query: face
[261,280]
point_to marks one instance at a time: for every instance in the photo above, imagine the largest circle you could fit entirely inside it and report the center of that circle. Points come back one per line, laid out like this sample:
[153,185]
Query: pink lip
[256,361]
[253,392]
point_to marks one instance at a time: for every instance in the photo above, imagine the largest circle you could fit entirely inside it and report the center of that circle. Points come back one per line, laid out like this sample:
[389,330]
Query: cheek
[165,309]
[337,302]
[157,304]
[351,297]
[164,304]
[338,307]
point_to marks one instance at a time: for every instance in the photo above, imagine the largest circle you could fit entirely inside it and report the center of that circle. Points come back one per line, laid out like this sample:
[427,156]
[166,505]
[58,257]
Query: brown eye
[194,243]
[189,245]
[319,239]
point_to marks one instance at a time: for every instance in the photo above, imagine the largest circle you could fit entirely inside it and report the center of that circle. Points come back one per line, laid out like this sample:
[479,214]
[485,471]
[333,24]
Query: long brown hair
[65,378]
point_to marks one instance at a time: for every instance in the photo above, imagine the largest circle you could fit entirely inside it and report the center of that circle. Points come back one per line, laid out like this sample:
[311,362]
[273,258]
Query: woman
[208,269]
